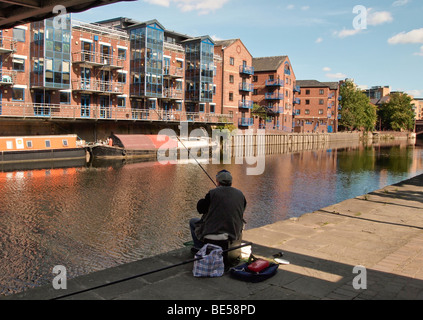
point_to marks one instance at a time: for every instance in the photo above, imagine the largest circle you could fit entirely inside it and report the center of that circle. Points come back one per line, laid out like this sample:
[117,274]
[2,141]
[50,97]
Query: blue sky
[318,35]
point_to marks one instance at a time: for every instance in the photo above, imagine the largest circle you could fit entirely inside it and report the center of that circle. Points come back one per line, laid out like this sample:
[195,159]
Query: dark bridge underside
[16,12]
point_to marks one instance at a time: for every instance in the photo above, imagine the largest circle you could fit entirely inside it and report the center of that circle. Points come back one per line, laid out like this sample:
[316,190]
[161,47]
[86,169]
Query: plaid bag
[211,264]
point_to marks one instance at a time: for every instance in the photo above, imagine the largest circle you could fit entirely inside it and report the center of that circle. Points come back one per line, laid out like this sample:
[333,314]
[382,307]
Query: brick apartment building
[234,86]
[274,86]
[317,106]
[134,73]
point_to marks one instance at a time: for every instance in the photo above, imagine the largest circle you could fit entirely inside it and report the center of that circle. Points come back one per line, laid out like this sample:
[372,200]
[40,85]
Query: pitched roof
[317,84]
[224,43]
[268,63]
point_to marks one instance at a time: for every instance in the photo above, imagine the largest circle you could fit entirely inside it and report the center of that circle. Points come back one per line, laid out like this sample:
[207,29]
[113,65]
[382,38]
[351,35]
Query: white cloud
[414,36]
[202,6]
[419,53]
[415,93]
[305,8]
[290,6]
[163,3]
[338,75]
[326,69]
[346,33]
[319,40]
[380,17]
[400,3]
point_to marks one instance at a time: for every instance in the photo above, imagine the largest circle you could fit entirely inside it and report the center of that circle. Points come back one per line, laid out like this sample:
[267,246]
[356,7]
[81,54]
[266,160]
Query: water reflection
[93,217]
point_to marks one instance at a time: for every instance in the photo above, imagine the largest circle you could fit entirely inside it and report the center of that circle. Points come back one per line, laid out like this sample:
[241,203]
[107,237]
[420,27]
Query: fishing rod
[146,273]
[189,154]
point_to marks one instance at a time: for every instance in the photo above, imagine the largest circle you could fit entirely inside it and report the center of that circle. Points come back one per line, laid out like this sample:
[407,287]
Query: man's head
[224,178]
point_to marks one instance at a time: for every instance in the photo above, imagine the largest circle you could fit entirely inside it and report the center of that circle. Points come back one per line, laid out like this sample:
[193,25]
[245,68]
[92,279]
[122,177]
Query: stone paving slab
[382,231]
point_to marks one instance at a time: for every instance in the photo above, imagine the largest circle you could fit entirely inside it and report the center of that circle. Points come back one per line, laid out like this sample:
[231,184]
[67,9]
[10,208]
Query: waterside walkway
[382,231]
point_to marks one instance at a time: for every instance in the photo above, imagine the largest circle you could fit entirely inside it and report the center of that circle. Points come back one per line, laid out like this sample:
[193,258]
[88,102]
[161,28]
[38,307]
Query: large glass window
[19,34]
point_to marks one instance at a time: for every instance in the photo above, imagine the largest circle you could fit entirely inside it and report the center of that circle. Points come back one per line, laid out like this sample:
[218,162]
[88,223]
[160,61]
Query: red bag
[258,265]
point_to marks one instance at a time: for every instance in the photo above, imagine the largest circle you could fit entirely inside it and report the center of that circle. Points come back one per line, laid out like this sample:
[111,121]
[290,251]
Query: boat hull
[42,155]
[111,152]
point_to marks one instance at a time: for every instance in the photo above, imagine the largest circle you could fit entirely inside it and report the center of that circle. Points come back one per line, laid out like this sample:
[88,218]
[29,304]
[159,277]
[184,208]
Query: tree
[357,112]
[397,114]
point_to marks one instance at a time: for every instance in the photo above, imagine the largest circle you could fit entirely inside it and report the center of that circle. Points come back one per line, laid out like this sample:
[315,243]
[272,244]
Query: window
[18,64]
[64,97]
[121,102]
[19,34]
[231,96]
[202,107]
[9,144]
[307,91]
[307,101]
[255,92]
[232,61]
[212,108]
[48,143]
[18,94]
[307,111]
[255,78]
[121,77]
[321,101]
[231,78]
[29,144]
[321,91]
[121,53]
[65,142]
[271,77]
[320,111]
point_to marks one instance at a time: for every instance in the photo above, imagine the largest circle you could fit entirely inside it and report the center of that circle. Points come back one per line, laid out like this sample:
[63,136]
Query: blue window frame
[18,94]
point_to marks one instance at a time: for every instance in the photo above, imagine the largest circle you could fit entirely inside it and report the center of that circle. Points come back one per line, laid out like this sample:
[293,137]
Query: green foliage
[357,112]
[259,111]
[397,114]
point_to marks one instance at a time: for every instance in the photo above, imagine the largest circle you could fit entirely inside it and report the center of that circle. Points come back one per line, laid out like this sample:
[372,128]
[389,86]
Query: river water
[96,216]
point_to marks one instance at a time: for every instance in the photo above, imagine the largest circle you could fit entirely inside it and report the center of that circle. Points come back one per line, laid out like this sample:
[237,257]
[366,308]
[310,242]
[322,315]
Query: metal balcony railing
[7,77]
[244,86]
[275,83]
[29,110]
[97,86]
[273,96]
[245,122]
[98,59]
[246,70]
[297,89]
[173,72]
[7,44]
[246,104]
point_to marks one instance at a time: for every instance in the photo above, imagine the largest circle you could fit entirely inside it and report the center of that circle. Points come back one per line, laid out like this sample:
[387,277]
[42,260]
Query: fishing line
[145,273]
[189,154]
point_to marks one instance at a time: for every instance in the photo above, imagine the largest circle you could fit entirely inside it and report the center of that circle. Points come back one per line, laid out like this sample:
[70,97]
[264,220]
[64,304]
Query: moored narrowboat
[41,148]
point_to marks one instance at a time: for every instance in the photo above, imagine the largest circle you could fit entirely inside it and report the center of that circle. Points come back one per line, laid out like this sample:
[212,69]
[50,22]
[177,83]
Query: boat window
[29,144]
[65,142]
[9,144]
[47,143]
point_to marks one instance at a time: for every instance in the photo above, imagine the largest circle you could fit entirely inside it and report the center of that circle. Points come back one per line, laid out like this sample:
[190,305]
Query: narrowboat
[18,149]
[124,146]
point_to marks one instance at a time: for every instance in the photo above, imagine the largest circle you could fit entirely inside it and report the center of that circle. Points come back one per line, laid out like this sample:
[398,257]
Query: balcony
[339,98]
[274,110]
[96,59]
[245,104]
[244,86]
[273,96]
[296,101]
[274,83]
[287,72]
[7,45]
[173,72]
[28,110]
[246,70]
[173,94]
[297,89]
[97,86]
[7,77]
[245,122]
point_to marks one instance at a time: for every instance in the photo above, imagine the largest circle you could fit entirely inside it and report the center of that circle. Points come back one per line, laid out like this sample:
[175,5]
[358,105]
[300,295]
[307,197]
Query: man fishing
[222,212]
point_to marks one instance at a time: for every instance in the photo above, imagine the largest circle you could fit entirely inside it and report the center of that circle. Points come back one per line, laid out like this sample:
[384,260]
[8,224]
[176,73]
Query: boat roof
[142,141]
